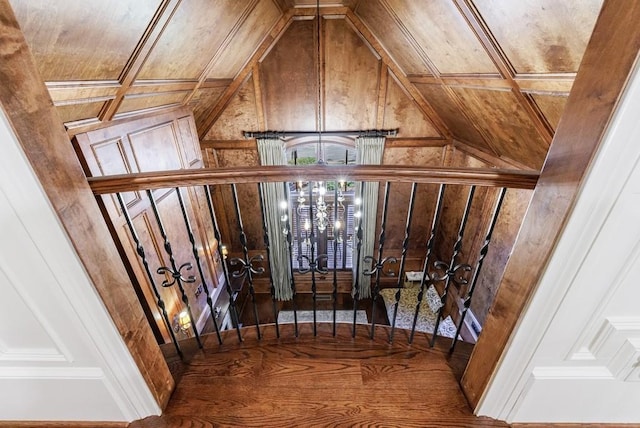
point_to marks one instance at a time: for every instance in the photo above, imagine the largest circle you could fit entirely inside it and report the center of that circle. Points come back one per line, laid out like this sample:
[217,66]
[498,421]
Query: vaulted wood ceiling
[489,75]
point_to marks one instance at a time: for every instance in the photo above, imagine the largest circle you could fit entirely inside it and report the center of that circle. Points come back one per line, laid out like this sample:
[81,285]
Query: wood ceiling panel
[240,115]
[192,37]
[403,113]
[289,80]
[202,101]
[83,40]
[142,102]
[461,128]
[382,25]
[551,106]
[544,36]
[351,76]
[75,112]
[499,114]
[444,35]
[246,40]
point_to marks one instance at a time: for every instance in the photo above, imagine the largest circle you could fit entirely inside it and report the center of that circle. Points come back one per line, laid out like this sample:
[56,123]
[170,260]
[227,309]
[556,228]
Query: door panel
[161,142]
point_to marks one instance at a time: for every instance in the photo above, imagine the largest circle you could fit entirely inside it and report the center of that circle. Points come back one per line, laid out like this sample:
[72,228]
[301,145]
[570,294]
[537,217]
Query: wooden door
[166,141]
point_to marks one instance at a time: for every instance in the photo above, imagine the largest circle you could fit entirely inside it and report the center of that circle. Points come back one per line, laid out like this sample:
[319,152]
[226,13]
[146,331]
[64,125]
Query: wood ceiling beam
[140,54]
[559,84]
[482,32]
[423,104]
[226,97]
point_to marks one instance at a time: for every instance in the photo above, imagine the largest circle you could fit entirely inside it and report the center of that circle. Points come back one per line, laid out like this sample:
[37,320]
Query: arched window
[331,204]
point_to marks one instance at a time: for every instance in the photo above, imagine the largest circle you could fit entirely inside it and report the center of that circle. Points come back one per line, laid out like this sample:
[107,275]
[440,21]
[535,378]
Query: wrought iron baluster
[246,264]
[194,249]
[451,269]
[405,246]
[334,294]
[145,263]
[314,264]
[174,270]
[377,265]
[476,272]
[216,233]
[356,282]
[424,283]
[267,245]
[292,279]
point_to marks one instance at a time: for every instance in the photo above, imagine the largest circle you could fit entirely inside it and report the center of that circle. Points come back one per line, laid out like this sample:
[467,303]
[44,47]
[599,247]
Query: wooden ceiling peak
[495,75]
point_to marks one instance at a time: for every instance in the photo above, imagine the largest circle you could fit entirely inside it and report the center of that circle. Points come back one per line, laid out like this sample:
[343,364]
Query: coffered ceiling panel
[455,120]
[511,130]
[83,39]
[552,107]
[542,36]
[444,36]
[240,115]
[202,100]
[141,102]
[401,111]
[75,112]
[245,40]
[382,24]
[288,80]
[352,76]
[193,36]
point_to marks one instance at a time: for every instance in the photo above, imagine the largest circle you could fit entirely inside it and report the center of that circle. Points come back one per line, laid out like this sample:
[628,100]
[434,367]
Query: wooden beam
[28,107]
[268,174]
[229,144]
[153,32]
[480,29]
[546,84]
[415,142]
[80,92]
[615,42]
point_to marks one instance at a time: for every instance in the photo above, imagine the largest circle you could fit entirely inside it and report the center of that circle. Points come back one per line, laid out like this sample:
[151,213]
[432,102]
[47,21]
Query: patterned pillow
[433,299]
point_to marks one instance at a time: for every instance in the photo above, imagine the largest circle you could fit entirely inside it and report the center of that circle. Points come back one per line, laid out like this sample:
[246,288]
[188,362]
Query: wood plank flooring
[319,382]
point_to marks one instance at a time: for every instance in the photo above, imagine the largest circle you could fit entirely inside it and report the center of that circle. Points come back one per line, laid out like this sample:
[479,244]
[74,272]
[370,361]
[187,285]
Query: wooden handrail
[263,174]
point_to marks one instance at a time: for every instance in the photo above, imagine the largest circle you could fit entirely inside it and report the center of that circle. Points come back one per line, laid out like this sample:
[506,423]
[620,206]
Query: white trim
[51,373]
[99,338]
[572,372]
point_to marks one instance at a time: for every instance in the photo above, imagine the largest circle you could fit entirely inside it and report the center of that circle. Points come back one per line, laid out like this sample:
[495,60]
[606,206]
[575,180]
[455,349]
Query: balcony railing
[445,265]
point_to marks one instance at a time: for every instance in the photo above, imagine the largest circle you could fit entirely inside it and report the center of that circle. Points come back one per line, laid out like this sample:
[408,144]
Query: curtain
[272,152]
[368,152]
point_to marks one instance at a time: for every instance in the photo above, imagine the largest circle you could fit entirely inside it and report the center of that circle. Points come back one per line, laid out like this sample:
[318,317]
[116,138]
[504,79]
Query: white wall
[575,355]
[61,357]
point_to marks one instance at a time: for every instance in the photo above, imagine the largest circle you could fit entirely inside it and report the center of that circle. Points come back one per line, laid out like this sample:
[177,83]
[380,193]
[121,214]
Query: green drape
[272,152]
[368,152]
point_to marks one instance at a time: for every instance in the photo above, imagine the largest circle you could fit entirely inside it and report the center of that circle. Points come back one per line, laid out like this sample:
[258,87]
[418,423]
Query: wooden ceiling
[492,75]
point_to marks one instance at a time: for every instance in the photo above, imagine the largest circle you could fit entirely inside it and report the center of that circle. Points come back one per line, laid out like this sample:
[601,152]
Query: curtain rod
[283,134]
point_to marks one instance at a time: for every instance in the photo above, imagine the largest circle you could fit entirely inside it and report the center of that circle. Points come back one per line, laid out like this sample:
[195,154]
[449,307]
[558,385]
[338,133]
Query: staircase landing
[320,381]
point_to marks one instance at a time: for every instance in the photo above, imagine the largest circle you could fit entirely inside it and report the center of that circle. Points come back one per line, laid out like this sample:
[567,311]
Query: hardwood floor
[321,381]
